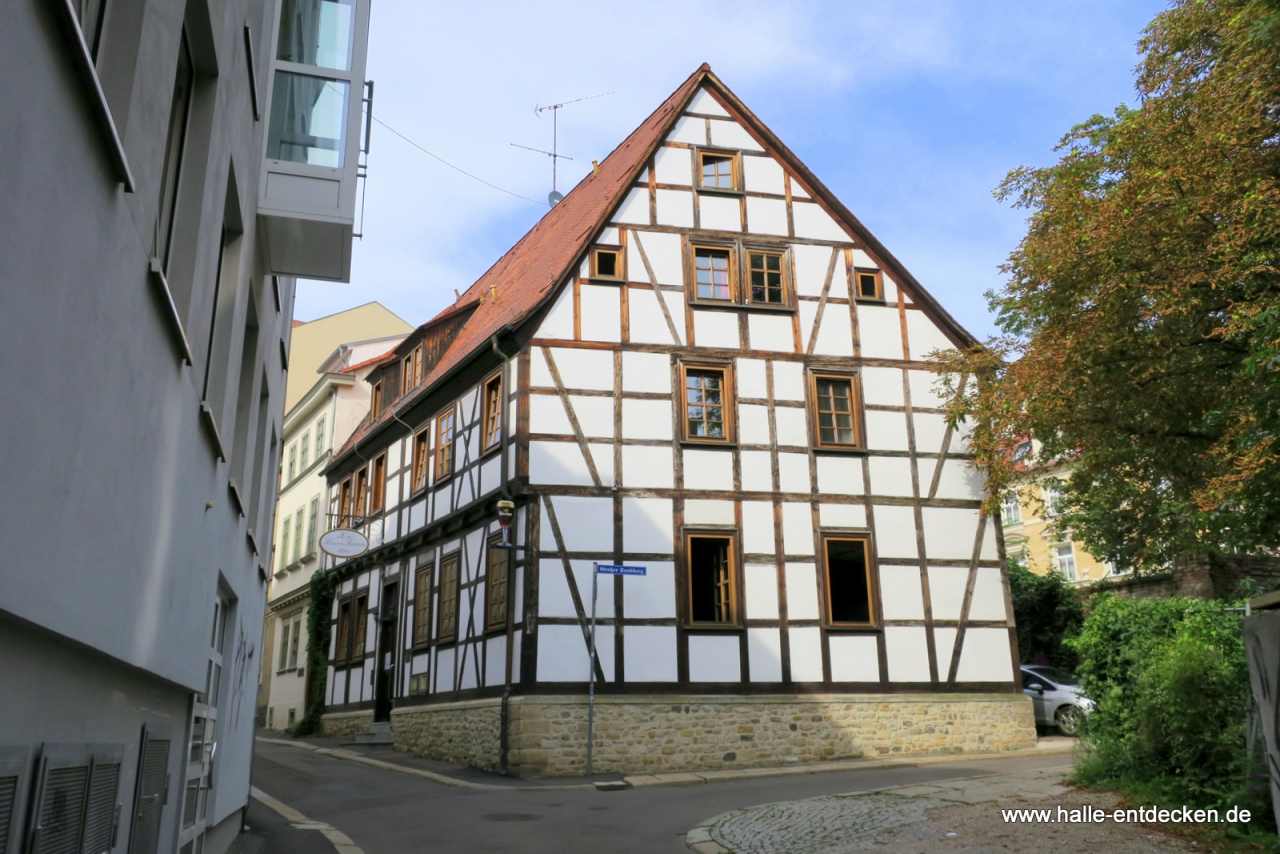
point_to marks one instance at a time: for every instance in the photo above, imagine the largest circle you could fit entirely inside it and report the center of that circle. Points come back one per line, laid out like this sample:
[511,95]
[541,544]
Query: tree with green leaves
[1141,318]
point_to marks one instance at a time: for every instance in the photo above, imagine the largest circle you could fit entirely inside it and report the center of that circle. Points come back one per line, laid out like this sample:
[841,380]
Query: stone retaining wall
[663,733]
[467,733]
[345,725]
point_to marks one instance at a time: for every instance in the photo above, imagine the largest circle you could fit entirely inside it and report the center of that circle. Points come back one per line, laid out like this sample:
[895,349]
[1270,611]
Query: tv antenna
[555,196]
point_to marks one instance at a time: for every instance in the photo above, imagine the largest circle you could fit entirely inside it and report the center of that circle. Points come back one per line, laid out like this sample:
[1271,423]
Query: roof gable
[532,272]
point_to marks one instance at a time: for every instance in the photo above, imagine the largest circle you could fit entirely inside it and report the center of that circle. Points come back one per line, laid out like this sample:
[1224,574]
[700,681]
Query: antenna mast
[555,139]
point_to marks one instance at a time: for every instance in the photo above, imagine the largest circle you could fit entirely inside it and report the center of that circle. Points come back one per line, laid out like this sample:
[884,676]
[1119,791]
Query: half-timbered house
[699,362]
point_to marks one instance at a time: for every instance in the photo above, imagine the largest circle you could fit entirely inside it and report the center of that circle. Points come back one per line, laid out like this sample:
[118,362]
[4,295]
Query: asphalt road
[386,812]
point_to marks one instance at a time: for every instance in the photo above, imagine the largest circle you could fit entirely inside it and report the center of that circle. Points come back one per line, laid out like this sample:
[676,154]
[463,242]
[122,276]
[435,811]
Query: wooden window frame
[360,623]
[360,496]
[491,625]
[488,443]
[375,400]
[346,495]
[421,628]
[378,484]
[740,251]
[735,169]
[859,445]
[342,643]
[824,580]
[784,263]
[728,393]
[620,263]
[735,582]
[421,464]
[858,272]
[453,559]
[729,247]
[444,472]
[406,374]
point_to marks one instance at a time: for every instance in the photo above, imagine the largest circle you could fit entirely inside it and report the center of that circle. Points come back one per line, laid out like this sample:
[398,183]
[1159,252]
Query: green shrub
[1047,611]
[1170,683]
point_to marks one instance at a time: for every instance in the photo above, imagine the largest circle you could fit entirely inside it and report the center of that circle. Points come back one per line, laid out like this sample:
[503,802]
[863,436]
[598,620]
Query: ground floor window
[711,586]
[847,572]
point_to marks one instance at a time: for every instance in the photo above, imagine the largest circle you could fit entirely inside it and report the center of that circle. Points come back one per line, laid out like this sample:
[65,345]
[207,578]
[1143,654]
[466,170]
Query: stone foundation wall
[655,734]
[345,725]
[467,733]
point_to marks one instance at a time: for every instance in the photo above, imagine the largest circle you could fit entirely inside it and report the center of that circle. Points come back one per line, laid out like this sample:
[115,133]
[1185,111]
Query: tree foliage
[1141,318]
[1170,683]
[1047,611]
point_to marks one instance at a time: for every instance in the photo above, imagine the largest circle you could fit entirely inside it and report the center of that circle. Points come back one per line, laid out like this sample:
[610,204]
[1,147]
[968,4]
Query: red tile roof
[388,356]
[298,323]
[526,277]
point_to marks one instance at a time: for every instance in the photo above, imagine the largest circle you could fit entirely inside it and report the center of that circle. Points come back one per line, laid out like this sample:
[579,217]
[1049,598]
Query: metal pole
[591,677]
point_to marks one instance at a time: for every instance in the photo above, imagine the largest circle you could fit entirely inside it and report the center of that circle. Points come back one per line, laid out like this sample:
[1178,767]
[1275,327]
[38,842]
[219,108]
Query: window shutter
[13,767]
[60,801]
[8,797]
[153,779]
[102,813]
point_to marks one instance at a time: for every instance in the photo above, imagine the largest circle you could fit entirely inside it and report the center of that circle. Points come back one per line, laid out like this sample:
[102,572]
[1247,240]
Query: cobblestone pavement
[835,824]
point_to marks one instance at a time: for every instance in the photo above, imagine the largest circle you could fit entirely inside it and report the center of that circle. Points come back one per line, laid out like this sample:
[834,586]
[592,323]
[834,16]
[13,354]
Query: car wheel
[1068,719]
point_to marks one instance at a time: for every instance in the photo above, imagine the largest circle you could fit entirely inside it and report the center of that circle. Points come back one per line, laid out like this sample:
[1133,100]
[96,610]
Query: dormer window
[606,263]
[375,399]
[717,170]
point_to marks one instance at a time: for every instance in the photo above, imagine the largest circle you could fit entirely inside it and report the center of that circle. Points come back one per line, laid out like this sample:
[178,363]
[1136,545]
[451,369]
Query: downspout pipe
[505,716]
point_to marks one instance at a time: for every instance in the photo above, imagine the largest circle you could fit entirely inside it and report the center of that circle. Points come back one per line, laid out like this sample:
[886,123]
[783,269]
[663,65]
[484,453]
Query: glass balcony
[317,32]
[311,154]
[308,120]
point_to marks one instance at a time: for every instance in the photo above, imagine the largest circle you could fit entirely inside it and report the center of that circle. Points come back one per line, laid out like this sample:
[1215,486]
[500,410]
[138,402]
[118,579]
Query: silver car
[1057,697]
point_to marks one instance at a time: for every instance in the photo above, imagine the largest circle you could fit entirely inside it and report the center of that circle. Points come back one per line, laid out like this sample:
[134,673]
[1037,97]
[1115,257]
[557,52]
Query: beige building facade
[322,419]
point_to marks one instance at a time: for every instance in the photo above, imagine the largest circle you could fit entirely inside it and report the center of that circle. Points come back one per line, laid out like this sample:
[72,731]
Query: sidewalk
[964,815]
[461,776]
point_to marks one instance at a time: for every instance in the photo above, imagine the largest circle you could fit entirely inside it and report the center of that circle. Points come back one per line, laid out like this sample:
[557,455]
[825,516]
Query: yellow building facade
[1027,514]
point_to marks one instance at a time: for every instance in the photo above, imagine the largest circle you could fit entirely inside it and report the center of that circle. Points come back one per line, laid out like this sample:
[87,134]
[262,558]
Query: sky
[910,112]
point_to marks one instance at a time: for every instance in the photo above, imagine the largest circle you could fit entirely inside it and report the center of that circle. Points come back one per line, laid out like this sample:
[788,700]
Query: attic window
[1021,451]
[717,171]
[870,285]
[606,263]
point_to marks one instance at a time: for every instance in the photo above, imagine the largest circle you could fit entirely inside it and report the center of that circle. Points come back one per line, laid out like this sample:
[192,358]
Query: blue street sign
[612,569]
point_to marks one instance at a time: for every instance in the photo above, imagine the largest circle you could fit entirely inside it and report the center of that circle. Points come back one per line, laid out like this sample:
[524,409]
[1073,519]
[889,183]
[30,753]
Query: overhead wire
[455,168]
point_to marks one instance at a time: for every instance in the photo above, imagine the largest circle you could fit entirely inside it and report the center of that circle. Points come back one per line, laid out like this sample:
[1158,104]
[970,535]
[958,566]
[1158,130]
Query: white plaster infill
[688,778]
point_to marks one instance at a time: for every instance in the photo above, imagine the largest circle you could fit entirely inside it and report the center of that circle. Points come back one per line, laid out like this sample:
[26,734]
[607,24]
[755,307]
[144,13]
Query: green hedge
[1048,612]
[1170,682]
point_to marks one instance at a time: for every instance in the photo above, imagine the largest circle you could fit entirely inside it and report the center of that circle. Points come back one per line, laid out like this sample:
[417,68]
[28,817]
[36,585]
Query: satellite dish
[554,198]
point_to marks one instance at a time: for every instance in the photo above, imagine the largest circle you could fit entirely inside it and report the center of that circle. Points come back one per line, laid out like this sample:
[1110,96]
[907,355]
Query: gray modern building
[171,166]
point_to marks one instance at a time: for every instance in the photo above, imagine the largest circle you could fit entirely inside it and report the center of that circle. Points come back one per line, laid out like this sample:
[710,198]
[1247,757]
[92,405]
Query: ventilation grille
[8,793]
[62,811]
[100,820]
[146,821]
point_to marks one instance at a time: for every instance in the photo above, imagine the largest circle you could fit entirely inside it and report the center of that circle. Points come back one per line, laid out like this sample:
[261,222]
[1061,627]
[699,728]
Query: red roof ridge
[298,323]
